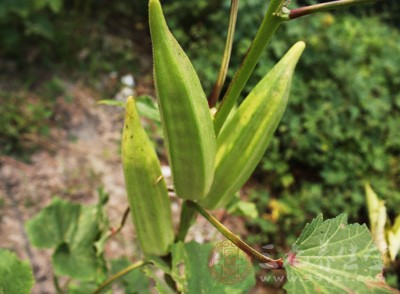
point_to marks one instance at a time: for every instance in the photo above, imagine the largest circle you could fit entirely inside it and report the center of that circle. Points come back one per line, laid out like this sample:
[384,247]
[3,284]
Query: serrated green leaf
[15,275]
[72,229]
[190,268]
[334,257]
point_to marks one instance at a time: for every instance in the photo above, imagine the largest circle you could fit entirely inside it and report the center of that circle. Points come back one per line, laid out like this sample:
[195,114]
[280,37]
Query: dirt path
[79,157]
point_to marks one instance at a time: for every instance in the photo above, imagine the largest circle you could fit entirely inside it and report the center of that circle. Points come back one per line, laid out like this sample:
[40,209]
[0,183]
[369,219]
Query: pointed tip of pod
[300,45]
[290,59]
[297,49]
[130,100]
[130,105]
[153,3]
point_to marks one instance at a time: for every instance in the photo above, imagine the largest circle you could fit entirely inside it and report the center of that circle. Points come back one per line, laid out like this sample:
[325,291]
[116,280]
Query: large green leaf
[332,256]
[15,275]
[71,229]
[192,274]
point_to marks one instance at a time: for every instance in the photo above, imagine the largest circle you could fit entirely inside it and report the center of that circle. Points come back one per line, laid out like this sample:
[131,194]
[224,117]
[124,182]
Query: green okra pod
[245,137]
[186,119]
[145,187]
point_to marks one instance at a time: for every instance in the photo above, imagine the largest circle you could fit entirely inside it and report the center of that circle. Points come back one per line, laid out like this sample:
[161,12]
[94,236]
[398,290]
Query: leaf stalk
[274,263]
[119,275]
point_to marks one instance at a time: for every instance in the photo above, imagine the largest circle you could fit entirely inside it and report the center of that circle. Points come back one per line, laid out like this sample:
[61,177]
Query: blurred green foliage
[342,126]
[23,121]
[26,20]
[92,36]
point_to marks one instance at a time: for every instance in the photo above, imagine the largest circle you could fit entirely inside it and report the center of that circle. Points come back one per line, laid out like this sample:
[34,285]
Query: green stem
[268,27]
[302,11]
[119,275]
[219,83]
[278,263]
[188,214]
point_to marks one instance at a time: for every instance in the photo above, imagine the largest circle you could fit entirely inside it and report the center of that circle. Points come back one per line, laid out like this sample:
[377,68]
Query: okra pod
[187,124]
[245,137]
[146,189]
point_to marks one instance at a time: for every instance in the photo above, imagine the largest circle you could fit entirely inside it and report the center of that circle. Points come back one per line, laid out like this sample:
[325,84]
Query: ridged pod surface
[245,137]
[186,119]
[146,189]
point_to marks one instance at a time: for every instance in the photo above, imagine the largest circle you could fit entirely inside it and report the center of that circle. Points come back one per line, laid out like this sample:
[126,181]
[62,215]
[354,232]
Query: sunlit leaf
[335,257]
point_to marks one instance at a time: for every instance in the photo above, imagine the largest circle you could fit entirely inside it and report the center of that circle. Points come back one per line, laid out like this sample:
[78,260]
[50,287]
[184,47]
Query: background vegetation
[341,129]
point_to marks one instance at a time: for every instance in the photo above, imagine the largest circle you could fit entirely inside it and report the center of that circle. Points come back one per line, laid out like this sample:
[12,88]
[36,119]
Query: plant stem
[268,27]
[119,275]
[219,83]
[275,264]
[188,214]
[302,11]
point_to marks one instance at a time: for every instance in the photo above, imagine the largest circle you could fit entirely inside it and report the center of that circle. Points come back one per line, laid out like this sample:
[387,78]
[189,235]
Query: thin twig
[273,263]
[116,230]
[219,83]
[302,11]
